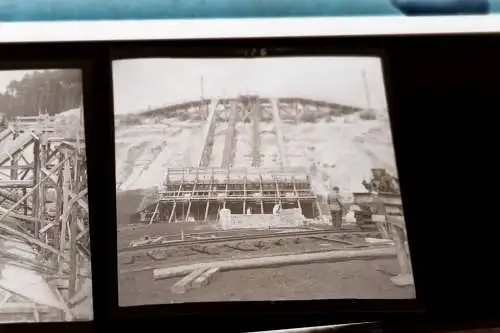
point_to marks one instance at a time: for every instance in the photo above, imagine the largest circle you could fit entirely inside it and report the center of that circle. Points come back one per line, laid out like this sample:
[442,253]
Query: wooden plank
[206,277]
[185,284]
[276,261]
[16,183]
[397,221]
[73,232]
[24,308]
[279,133]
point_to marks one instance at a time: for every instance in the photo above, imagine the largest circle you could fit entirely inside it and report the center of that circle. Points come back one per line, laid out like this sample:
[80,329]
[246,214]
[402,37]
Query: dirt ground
[126,205]
[354,279]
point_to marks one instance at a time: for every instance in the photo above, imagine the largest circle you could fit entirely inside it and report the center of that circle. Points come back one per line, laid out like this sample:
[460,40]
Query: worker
[349,219]
[225,218]
[336,207]
[379,214]
[276,209]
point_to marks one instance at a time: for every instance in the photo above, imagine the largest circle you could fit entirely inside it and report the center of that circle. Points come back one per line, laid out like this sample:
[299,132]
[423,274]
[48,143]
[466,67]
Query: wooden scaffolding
[197,194]
[43,203]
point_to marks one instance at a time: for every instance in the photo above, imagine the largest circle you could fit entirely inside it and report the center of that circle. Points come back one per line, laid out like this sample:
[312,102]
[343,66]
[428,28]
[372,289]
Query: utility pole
[202,99]
[367,91]
[202,84]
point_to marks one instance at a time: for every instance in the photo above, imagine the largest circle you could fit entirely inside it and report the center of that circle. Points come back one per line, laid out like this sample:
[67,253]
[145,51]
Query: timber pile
[196,279]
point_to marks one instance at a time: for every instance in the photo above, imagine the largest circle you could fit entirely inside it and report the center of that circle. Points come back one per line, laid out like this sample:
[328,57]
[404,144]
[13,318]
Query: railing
[42,123]
[224,174]
[66,129]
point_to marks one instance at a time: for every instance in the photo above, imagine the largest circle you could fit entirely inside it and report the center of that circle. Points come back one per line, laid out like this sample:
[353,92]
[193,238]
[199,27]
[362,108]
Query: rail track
[251,237]
[152,256]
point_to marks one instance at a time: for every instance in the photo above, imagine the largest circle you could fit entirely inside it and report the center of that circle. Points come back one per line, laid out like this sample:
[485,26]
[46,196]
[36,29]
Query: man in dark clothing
[336,207]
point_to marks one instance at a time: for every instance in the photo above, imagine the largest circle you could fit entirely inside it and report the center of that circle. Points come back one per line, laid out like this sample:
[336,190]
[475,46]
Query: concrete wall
[286,218]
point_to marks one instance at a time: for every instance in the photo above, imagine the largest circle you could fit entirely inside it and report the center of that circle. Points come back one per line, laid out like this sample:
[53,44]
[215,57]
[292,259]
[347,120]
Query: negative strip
[256,179]
[45,273]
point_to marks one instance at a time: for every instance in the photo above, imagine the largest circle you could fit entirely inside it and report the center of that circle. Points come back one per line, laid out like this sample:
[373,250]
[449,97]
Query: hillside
[339,149]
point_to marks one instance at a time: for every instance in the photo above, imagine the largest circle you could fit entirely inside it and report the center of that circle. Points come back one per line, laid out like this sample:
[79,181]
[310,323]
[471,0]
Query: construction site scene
[45,273]
[256,179]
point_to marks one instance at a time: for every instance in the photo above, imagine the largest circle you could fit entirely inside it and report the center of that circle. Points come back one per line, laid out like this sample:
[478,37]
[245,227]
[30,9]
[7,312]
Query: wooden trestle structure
[43,203]
[197,194]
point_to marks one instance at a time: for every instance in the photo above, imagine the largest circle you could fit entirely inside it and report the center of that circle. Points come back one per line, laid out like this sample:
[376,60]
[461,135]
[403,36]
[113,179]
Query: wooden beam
[256,138]
[9,183]
[279,133]
[73,231]
[296,193]
[205,277]
[245,192]
[208,136]
[277,261]
[154,213]
[36,194]
[185,284]
[191,195]
[262,194]
[24,308]
[22,235]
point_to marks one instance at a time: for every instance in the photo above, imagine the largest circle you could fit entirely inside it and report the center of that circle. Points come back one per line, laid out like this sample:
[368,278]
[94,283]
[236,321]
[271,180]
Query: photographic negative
[45,273]
[256,179]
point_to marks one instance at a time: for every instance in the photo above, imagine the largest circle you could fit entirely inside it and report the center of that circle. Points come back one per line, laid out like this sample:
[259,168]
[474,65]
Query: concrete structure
[287,218]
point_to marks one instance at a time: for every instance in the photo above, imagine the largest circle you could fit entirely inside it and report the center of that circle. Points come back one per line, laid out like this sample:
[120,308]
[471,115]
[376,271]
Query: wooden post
[402,255]
[65,191]
[36,194]
[297,194]
[208,202]
[261,195]
[192,194]
[14,163]
[41,188]
[245,192]
[25,203]
[59,208]
[73,228]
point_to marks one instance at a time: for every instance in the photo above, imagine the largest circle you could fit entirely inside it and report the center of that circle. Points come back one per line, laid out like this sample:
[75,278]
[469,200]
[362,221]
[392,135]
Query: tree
[50,91]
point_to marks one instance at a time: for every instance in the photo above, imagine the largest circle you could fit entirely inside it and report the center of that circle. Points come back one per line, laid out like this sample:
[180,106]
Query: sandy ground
[342,150]
[355,279]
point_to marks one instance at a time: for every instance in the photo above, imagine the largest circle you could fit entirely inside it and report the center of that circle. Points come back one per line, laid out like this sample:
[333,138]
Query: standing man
[276,213]
[276,209]
[336,207]
[379,214]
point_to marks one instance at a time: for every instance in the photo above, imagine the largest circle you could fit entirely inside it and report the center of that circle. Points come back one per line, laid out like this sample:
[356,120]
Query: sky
[7,76]
[142,83]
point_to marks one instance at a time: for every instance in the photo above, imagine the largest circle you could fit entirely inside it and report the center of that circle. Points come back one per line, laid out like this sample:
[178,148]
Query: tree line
[44,91]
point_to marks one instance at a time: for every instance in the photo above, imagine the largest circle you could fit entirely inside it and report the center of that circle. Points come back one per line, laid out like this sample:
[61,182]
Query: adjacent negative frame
[23,57]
